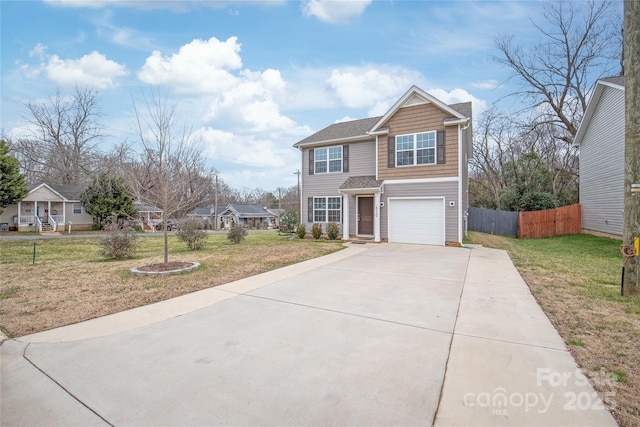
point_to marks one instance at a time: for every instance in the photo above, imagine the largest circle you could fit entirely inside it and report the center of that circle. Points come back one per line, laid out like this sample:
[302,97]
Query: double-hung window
[416,149]
[327,209]
[328,160]
[77,208]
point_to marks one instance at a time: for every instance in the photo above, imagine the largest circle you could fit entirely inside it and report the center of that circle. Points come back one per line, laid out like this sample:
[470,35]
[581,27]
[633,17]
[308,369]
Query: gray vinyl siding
[602,165]
[447,189]
[362,162]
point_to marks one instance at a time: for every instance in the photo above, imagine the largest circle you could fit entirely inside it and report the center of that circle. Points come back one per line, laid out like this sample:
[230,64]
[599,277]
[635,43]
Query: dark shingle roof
[206,210]
[359,128]
[69,192]
[463,108]
[343,130]
[251,211]
[354,182]
[618,80]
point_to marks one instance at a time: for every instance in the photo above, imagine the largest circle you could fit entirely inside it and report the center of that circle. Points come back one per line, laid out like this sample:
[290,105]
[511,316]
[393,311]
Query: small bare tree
[171,173]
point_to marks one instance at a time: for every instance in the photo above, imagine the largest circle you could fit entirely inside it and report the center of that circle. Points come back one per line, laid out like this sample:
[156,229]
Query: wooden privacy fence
[502,223]
[547,223]
[550,222]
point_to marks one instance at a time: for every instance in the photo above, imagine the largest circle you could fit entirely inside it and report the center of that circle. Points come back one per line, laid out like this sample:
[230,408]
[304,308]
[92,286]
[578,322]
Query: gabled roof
[611,82]
[415,96]
[364,129]
[249,211]
[69,193]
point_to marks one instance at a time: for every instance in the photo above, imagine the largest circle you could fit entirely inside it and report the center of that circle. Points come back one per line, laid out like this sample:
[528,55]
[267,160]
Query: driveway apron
[377,334]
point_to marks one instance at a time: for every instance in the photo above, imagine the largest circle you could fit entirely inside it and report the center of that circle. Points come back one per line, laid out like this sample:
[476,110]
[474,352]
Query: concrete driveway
[377,334]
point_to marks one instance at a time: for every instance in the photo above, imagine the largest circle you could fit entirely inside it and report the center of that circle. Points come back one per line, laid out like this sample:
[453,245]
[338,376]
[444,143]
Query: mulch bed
[170,266]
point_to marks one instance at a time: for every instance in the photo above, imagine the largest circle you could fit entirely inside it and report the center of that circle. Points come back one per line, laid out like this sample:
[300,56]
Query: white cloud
[368,87]
[486,84]
[456,96]
[222,146]
[202,65]
[92,70]
[211,72]
[334,11]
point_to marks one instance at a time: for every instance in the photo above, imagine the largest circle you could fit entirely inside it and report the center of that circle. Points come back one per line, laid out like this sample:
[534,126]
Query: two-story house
[400,177]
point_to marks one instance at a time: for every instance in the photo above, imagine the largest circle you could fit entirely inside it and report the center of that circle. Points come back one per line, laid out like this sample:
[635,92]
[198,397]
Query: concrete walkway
[377,334]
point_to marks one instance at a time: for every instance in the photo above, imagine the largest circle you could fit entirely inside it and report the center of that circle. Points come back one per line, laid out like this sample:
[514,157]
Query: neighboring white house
[600,139]
[47,207]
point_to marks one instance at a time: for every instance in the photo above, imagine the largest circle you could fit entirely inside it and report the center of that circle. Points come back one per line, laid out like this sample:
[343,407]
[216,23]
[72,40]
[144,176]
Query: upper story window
[416,149]
[328,160]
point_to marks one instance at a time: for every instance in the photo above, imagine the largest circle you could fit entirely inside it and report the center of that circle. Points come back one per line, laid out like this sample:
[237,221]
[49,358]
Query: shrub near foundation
[301,231]
[332,231]
[316,231]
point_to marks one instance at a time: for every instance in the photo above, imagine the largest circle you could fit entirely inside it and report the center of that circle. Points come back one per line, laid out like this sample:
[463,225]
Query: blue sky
[251,78]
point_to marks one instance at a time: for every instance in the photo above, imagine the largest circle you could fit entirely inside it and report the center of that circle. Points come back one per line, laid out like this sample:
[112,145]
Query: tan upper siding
[419,118]
[42,194]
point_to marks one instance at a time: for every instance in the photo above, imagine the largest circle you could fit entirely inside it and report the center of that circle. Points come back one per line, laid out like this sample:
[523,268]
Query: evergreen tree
[528,185]
[12,186]
[105,197]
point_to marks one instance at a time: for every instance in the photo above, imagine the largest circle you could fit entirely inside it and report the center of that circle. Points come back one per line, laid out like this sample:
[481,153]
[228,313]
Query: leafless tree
[62,144]
[579,41]
[171,173]
[496,142]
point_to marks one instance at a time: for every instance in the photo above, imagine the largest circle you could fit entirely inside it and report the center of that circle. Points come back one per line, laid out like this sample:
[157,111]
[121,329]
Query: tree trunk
[631,281]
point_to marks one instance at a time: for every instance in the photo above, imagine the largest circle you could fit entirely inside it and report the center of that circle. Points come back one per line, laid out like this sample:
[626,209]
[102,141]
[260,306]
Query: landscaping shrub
[333,230]
[301,231]
[237,234]
[120,241]
[191,231]
[316,231]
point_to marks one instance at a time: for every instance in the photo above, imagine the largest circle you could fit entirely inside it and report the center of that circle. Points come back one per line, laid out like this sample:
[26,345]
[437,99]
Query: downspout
[462,163]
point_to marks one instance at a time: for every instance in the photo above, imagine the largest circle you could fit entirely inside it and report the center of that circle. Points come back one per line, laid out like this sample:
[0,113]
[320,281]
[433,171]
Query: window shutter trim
[391,152]
[345,158]
[440,147]
[310,210]
[311,163]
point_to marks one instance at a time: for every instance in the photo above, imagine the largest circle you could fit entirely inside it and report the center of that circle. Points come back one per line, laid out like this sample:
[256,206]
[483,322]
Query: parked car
[172,224]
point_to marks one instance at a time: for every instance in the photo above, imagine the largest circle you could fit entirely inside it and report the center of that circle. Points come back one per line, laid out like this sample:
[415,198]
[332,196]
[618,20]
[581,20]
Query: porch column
[345,217]
[19,209]
[64,213]
[376,217]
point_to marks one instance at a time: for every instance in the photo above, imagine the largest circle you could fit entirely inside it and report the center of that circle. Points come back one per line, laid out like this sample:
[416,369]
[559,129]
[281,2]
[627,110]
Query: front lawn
[70,282]
[576,280]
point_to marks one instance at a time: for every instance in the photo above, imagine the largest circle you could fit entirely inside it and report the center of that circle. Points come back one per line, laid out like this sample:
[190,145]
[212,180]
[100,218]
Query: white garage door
[416,221]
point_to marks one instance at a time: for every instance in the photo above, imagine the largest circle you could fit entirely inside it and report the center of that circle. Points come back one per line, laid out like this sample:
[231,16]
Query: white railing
[53,223]
[39,224]
[27,219]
